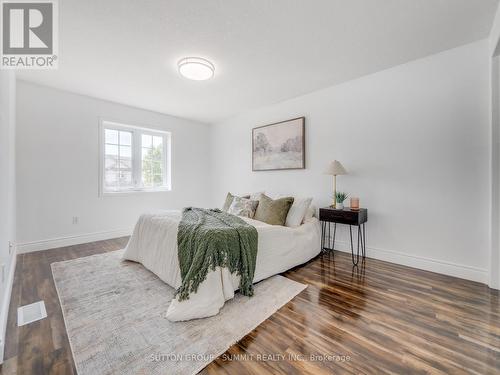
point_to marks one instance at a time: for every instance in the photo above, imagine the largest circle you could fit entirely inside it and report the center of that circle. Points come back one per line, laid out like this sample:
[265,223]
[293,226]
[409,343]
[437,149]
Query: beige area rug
[114,314]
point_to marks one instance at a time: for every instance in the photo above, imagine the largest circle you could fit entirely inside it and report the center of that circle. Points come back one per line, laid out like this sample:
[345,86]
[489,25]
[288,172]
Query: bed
[154,245]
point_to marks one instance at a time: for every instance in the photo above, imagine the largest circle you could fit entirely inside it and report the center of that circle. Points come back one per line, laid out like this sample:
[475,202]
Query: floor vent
[31,313]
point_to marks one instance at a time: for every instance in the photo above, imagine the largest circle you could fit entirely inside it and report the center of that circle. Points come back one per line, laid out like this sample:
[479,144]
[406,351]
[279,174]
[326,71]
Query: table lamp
[335,168]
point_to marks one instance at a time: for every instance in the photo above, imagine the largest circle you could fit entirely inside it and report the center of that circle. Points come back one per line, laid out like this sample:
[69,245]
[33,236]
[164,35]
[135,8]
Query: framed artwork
[279,146]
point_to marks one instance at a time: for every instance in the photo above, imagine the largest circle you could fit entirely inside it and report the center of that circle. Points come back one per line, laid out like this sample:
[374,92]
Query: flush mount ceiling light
[196,68]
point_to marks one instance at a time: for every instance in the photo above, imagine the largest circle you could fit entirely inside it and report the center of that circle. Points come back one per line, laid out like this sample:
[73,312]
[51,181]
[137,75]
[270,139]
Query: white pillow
[297,212]
[311,211]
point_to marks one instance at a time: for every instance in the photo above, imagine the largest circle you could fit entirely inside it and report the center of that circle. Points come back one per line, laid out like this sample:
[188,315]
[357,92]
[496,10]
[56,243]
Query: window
[133,159]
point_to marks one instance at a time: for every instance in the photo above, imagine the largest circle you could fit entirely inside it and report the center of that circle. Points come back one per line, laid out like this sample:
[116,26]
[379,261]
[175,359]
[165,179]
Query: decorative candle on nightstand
[354,203]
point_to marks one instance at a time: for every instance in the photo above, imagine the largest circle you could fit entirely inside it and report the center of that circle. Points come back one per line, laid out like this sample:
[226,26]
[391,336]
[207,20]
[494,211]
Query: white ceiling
[265,51]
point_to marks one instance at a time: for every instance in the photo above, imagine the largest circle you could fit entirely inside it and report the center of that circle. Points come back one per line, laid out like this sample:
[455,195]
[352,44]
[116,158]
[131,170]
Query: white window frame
[137,132]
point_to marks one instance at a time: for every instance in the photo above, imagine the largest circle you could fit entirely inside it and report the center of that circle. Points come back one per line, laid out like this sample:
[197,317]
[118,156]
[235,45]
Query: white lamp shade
[335,168]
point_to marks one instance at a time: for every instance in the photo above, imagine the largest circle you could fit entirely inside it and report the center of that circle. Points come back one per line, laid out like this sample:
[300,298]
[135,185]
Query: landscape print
[279,146]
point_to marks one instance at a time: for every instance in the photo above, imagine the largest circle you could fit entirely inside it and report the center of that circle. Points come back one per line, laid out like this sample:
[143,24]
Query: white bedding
[154,244]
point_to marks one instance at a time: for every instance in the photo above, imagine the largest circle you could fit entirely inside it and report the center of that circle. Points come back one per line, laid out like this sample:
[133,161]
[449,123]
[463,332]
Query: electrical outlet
[75,220]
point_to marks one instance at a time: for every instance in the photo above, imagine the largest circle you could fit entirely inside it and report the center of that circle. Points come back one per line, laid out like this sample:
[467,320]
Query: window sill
[134,192]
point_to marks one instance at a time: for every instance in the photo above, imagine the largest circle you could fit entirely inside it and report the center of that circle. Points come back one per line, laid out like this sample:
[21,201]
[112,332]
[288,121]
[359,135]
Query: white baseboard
[4,313]
[415,261]
[28,247]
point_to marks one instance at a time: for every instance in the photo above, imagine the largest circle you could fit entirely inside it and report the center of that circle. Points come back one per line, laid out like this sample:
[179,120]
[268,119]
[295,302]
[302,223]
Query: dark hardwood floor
[380,318]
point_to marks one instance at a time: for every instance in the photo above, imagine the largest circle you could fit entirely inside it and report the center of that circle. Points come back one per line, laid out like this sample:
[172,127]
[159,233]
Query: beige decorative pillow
[273,211]
[229,200]
[242,207]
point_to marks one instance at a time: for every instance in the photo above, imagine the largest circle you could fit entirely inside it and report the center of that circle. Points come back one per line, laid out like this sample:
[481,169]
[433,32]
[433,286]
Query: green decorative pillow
[273,211]
[229,200]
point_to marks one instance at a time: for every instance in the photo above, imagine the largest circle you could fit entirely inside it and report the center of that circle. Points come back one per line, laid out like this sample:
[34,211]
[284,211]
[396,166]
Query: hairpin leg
[322,236]
[352,246]
[334,232]
[326,236]
[364,241]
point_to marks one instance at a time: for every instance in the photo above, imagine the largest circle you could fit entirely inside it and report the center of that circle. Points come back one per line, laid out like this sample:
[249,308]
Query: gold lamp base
[334,204]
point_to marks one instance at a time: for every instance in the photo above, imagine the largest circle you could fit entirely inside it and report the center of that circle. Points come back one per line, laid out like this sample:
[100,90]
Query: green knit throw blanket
[210,238]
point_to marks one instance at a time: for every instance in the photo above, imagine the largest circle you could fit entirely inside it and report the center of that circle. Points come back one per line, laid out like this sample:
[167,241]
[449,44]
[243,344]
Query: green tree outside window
[152,172]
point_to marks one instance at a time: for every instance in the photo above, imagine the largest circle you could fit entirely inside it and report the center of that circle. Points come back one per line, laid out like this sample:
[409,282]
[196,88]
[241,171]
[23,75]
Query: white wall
[415,139]
[494,60]
[57,168]
[494,280]
[7,195]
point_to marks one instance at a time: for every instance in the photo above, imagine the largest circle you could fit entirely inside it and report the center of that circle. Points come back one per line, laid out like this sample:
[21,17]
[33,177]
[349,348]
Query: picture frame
[279,146]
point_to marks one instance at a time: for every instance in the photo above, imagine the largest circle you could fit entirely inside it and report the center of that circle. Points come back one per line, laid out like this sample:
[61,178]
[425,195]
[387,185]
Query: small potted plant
[340,197]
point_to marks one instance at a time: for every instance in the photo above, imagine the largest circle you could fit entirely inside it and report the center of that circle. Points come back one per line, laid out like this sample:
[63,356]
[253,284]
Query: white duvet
[154,245]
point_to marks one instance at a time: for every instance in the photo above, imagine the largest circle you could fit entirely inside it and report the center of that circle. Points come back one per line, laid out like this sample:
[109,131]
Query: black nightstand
[358,218]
